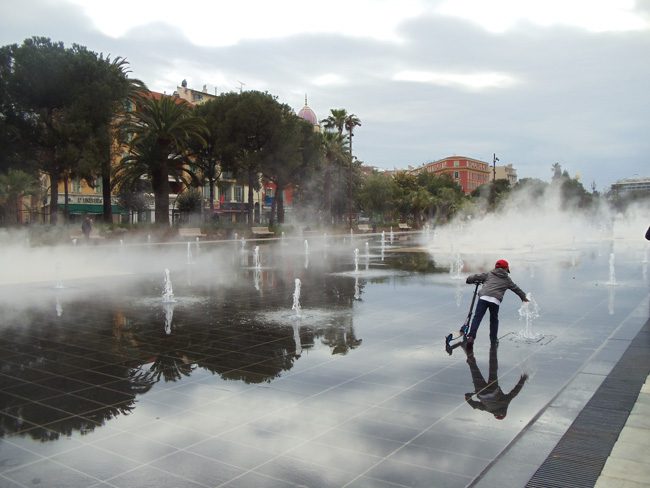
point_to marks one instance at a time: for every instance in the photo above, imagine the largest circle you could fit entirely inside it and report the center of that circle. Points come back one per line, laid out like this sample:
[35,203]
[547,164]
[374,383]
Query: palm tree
[336,120]
[163,129]
[123,93]
[333,149]
[351,121]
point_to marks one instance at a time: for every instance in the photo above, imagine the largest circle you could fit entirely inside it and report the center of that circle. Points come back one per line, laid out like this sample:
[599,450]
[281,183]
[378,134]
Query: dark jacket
[495,284]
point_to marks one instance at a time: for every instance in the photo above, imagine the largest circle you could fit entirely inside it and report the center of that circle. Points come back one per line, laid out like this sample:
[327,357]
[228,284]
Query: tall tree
[42,86]
[291,155]
[113,93]
[334,156]
[63,101]
[351,121]
[335,120]
[162,130]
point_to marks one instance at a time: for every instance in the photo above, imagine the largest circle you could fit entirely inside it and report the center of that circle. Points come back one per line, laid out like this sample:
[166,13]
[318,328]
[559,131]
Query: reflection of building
[468,173]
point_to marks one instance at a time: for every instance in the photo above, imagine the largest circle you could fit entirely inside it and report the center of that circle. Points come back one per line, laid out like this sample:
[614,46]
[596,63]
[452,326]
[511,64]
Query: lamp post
[494,166]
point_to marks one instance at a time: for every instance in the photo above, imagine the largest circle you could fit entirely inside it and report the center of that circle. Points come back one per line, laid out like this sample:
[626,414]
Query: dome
[308,114]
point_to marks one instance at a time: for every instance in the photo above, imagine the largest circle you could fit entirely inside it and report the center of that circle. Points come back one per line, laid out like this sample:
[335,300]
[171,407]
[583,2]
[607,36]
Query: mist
[527,227]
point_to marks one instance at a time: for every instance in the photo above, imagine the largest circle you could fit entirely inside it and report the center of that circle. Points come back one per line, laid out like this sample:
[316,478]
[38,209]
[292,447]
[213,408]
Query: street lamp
[494,166]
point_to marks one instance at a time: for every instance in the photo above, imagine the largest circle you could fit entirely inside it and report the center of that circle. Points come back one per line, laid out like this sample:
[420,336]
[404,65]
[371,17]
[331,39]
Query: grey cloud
[581,99]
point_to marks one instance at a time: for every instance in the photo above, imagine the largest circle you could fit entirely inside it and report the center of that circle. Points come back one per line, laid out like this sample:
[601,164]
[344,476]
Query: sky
[532,82]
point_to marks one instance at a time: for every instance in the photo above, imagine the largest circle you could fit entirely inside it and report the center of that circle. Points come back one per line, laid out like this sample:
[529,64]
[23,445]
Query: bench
[190,232]
[261,232]
[364,228]
[404,226]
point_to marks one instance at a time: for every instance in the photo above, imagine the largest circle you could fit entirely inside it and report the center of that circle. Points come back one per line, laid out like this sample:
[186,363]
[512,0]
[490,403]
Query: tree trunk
[279,197]
[107,207]
[160,184]
[251,182]
[65,199]
[273,207]
[327,191]
[211,181]
[54,196]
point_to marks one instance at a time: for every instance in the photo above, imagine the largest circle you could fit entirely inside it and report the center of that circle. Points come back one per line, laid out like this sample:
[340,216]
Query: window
[456,175]
[239,193]
[226,192]
[456,164]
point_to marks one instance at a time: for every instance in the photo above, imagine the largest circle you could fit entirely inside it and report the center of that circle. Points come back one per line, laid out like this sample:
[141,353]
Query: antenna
[241,85]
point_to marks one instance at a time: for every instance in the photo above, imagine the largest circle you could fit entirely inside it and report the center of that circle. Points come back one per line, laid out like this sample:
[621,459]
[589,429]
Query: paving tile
[404,474]
[608,482]
[151,477]
[50,474]
[626,469]
[199,469]
[95,462]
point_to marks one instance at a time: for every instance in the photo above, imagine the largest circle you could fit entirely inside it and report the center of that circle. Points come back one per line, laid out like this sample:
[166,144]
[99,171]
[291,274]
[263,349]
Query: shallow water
[100,382]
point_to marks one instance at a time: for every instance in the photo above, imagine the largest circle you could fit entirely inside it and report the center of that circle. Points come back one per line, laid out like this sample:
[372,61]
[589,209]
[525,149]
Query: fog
[528,228]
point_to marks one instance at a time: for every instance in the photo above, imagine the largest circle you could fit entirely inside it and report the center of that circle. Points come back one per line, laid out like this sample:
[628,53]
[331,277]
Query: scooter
[464,329]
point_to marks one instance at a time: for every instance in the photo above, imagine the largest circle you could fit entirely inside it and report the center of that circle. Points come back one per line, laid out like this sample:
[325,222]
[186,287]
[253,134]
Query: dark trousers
[481,307]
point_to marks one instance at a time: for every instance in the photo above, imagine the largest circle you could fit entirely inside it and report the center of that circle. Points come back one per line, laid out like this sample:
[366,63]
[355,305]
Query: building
[629,185]
[468,173]
[507,172]
[194,97]
[309,115]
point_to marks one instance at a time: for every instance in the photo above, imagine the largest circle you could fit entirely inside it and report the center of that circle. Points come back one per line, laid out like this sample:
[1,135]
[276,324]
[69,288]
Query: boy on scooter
[495,283]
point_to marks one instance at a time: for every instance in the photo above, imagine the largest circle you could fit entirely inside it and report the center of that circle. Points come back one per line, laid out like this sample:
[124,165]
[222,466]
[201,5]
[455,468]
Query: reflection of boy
[495,284]
[490,396]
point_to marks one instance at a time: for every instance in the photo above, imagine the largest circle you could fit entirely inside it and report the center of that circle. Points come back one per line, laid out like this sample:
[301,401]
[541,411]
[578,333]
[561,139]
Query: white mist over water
[456,267]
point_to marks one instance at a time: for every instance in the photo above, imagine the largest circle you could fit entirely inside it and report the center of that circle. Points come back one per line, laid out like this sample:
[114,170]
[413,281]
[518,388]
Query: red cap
[502,263]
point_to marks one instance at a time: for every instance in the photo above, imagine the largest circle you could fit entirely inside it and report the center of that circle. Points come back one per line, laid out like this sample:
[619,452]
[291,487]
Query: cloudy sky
[536,82]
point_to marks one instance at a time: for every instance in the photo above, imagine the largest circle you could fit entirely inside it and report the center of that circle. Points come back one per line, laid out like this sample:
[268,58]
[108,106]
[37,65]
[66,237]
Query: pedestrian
[86,227]
[495,284]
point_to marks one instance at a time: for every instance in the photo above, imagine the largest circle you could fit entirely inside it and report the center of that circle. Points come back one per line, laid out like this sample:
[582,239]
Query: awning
[84,208]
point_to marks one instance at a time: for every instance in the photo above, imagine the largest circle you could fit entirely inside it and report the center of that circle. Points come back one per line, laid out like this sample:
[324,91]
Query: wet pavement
[103,385]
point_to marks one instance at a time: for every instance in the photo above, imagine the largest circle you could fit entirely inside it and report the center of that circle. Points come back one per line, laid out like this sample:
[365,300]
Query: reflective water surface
[104,384]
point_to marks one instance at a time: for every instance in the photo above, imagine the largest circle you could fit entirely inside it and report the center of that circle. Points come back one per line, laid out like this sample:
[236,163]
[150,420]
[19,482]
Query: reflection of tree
[75,372]
[341,338]
[169,367]
[415,261]
[58,381]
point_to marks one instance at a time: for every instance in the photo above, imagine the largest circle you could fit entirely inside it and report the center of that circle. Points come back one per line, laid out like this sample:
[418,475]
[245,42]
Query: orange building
[467,172]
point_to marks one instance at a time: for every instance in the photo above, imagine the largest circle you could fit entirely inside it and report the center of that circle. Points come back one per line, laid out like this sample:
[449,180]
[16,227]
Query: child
[495,284]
